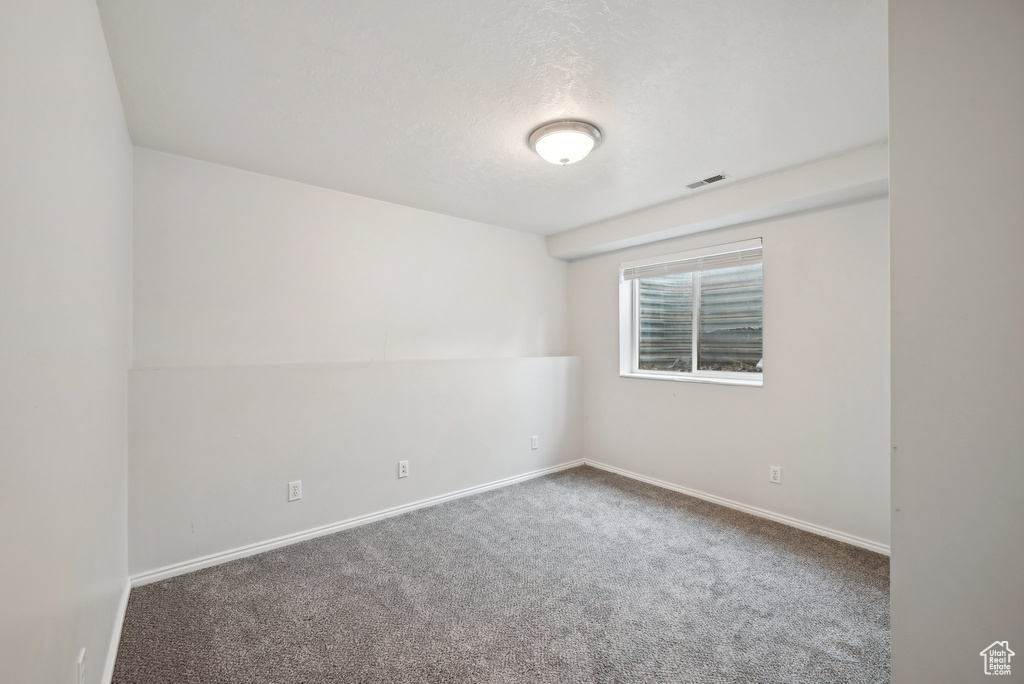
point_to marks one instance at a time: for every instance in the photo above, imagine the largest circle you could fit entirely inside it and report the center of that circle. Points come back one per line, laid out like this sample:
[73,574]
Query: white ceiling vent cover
[707,181]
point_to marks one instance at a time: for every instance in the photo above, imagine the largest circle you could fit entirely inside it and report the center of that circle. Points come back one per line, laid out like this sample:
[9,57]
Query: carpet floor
[579,576]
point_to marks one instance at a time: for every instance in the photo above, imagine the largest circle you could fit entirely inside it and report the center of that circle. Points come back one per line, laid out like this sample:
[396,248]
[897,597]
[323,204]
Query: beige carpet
[580,576]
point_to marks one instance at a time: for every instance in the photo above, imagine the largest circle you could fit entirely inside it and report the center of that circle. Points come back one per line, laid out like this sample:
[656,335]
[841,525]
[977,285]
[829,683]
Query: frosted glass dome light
[565,142]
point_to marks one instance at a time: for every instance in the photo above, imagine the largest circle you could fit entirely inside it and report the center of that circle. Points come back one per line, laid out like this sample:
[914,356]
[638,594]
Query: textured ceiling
[429,104]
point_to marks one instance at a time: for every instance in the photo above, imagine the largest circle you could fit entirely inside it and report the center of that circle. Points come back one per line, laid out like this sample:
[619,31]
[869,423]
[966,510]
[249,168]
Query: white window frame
[629,328]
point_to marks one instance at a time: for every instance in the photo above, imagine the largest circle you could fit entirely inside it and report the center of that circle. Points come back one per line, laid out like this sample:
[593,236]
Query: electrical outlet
[81,666]
[295,490]
[534,442]
[775,474]
[403,469]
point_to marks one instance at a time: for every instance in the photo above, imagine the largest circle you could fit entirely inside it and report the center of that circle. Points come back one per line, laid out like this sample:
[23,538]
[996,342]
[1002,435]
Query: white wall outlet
[295,490]
[403,469]
[81,667]
[775,474]
[534,442]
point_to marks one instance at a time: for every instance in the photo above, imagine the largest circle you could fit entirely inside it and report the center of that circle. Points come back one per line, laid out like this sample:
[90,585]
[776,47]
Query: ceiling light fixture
[565,142]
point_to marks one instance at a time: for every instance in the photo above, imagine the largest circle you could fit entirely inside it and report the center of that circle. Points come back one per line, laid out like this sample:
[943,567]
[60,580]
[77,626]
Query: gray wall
[957,184]
[65,288]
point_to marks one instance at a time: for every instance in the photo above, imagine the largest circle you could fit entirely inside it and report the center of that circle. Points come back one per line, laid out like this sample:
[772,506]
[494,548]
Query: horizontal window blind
[705,263]
[731,318]
[666,323]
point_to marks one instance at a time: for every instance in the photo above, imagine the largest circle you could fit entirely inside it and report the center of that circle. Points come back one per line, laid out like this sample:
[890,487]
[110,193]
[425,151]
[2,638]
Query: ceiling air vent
[707,181]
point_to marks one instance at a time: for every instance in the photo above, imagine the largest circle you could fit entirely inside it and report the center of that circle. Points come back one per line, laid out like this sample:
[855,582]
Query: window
[694,316]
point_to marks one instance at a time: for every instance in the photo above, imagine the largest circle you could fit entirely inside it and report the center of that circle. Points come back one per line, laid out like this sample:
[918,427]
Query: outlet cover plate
[403,469]
[775,474]
[295,490]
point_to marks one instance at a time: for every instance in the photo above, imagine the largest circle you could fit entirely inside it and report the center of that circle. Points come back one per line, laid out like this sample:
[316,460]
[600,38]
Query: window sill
[676,377]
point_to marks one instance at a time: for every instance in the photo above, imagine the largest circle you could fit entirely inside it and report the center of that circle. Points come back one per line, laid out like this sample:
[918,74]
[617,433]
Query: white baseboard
[752,510]
[115,637]
[288,539]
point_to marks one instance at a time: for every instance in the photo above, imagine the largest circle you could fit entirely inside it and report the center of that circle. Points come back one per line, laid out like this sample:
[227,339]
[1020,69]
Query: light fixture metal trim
[577,126]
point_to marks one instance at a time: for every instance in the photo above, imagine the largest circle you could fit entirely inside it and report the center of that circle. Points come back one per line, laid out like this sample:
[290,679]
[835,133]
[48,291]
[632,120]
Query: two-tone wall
[287,332]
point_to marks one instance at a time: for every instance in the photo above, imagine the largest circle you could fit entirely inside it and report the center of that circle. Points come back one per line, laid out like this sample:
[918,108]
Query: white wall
[823,413]
[284,331]
[214,448]
[65,283]
[957,104]
[233,267]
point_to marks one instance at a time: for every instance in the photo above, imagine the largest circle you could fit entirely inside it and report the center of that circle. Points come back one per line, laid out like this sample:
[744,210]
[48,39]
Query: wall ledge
[342,363]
